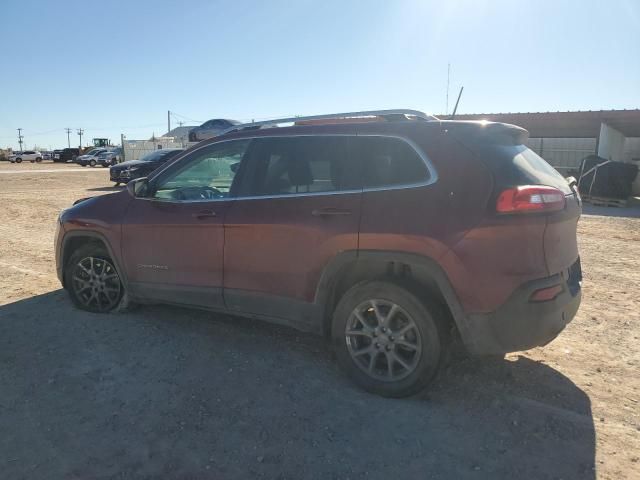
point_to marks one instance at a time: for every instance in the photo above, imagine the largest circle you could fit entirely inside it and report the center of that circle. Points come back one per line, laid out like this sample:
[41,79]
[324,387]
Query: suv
[90,158]
[110,157]
[210,129]
[27,155]
[131,169]
[67,155]
[394,238]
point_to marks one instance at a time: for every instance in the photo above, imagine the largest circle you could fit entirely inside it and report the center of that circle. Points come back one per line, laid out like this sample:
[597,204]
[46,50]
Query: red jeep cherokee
[390,236]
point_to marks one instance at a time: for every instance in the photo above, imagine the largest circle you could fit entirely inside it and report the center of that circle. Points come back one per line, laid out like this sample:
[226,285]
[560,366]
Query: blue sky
[114,67]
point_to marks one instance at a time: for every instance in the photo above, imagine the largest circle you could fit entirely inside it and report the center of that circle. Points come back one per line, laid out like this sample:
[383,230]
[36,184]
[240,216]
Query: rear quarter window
[389,161]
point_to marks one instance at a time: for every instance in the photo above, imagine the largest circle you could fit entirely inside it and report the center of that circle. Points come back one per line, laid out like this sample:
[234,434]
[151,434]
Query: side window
[207,174]
[389,161]
[295,165]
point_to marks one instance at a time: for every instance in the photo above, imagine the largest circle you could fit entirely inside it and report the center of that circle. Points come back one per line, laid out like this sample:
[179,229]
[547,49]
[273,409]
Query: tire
[92,280]
[92,163]
[419,349]
[18,160]
[39,159]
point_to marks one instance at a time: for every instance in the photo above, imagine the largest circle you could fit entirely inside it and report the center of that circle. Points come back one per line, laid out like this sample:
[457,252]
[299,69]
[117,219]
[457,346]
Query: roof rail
[368,113]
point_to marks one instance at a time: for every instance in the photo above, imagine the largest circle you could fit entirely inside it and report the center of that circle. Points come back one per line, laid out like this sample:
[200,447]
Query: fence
[564,154]
[136,149]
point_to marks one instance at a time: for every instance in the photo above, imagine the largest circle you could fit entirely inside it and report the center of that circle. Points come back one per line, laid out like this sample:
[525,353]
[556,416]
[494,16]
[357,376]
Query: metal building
[565,138]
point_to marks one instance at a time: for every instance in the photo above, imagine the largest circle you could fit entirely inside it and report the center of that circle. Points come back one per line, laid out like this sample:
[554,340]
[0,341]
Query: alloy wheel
[383,340]
[96,284]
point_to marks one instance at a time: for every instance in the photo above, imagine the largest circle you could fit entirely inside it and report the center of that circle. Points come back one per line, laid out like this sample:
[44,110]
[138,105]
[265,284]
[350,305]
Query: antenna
[446,110]
[455,109]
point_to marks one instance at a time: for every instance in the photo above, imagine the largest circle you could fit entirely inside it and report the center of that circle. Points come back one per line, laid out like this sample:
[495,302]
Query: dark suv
[132,169]
[392,237]
[68,155]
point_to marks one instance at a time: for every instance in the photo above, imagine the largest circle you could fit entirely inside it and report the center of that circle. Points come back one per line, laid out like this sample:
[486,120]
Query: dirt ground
[171,393]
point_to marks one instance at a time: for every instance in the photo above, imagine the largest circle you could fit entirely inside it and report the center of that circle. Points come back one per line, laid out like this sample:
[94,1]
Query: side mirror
[138,187]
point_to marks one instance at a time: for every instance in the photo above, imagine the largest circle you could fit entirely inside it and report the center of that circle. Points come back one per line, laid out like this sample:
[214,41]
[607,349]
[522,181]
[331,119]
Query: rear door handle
[204,214]
[326,212]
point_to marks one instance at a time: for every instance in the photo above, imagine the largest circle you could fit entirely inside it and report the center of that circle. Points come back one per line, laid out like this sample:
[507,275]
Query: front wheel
[18,160]
[386,339]
[92,163]
[39,159]
[92,280]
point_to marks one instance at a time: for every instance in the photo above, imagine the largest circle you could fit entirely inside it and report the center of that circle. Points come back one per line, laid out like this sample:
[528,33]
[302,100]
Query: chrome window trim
[433,174]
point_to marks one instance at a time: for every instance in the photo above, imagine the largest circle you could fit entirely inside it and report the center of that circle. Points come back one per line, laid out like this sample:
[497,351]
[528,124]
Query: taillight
[546,294]
[530,198]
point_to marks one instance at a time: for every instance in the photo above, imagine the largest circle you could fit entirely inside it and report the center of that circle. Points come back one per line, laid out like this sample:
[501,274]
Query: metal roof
[578,124]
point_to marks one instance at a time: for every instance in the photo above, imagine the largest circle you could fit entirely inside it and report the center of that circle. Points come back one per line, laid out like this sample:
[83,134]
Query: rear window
[514,165]
[389,161]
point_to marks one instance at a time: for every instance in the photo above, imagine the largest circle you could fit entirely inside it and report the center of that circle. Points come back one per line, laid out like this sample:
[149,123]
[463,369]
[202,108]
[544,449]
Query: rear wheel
[92,162]
[39,159]
[92,280]
[386,339]
[18,160]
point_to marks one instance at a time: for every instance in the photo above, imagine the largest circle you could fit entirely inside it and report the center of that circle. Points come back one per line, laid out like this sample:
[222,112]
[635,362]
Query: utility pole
[168,121]
[20,138]
[68,139]
[122,146]
[80,132]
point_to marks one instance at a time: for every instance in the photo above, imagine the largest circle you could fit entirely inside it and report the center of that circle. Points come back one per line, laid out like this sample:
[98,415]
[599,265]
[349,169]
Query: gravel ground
[172,393]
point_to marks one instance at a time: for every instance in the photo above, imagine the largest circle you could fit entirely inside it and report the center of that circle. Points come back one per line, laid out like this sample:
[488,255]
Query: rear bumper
[520,324]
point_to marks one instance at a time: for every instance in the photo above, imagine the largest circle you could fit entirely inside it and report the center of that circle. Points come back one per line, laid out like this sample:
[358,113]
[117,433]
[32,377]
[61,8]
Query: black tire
[426,318]
[39,159]
[84,289]
[18,160]
[92,163]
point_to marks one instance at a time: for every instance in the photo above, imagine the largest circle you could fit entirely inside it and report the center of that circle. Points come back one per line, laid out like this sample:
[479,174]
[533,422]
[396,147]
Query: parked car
[90,158]
[46,155]
[27,155]
[126,171]
[210,129]
[55,155]
[68,155]
[110,157]
[392,238]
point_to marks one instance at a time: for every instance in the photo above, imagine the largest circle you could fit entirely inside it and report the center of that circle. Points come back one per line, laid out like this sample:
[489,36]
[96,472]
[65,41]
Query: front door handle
[326,212]
[204,214]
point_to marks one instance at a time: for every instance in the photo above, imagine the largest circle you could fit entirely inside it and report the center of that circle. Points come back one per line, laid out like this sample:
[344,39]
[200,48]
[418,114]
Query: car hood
[132,163]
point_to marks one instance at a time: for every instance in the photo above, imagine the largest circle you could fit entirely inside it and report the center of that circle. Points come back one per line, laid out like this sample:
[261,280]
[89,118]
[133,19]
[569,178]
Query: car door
[173,238]
[298,206]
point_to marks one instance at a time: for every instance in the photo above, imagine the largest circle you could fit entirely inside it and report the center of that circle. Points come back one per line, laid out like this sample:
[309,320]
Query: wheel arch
[421,274]
[76,239]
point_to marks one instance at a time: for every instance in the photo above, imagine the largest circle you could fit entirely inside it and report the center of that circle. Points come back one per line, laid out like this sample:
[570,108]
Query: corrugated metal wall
[563,153]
